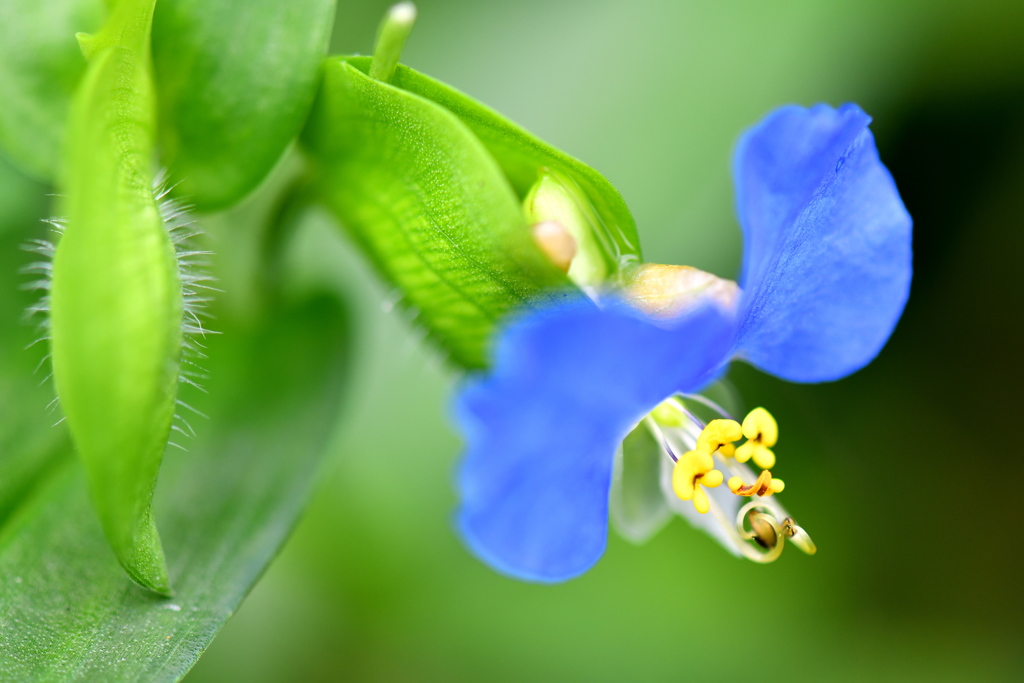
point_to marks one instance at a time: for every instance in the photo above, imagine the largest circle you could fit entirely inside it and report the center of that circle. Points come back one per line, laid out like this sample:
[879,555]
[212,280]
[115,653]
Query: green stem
[391,37]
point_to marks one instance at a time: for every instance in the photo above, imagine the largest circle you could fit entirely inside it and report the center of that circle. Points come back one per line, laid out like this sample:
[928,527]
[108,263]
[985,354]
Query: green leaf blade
[225,508]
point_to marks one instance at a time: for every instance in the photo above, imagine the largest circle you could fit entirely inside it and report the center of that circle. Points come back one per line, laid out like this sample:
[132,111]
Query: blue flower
[825,276]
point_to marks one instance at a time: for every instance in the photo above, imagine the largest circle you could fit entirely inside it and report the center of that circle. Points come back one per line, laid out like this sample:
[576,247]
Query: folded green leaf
[522,155]
[116,299]
[40,64]
[236,79]
[226,506]
[431,184]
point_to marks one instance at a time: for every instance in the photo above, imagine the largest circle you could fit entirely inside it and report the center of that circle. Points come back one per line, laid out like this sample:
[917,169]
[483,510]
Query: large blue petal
[827,262]
[541,429]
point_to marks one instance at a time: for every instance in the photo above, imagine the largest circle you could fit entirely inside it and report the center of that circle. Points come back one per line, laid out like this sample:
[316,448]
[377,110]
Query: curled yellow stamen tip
[764,486]
[718,436]
[692,471]
[798,537]
[758,522]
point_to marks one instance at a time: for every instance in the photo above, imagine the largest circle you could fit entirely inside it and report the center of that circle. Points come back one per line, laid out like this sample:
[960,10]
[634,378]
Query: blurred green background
[905,474]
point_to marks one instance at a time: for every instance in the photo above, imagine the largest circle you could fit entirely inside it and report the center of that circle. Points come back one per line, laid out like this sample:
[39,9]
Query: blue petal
[541,429]
[827,262]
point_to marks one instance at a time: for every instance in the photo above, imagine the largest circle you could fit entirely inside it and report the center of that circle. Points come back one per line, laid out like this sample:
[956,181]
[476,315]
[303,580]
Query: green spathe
[116,299]
[431,184]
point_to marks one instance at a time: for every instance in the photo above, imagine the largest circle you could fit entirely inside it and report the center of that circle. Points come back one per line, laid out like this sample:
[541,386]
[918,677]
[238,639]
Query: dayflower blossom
[825,276]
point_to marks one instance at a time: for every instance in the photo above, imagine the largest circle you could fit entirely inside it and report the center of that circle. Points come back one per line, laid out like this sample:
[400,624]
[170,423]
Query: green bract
[431,184]
[116,298]
[235,82]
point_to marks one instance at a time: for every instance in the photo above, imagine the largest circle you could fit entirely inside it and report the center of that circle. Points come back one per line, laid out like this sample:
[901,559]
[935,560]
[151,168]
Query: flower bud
[553,199]
[552,238]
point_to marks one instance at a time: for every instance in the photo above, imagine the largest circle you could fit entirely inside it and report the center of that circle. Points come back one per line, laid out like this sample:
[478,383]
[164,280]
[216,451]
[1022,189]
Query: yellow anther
[762,432]
[692,471]
[718,436]
[764,486]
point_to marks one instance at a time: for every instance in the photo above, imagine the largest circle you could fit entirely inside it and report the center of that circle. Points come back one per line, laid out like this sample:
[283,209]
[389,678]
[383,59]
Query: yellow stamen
[764,530]
[762,433]
[692,471]
[798,536]
[764,486]
[769,533]
[718,436]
